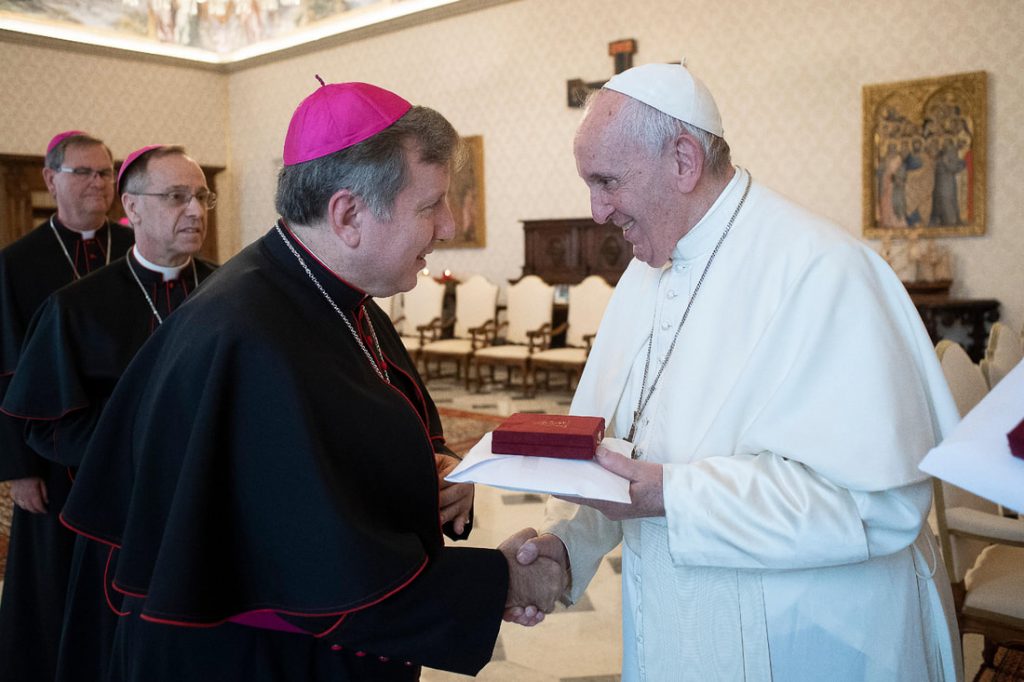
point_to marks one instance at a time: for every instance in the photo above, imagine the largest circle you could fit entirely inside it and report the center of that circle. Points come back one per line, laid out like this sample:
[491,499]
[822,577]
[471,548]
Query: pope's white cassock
[790,419]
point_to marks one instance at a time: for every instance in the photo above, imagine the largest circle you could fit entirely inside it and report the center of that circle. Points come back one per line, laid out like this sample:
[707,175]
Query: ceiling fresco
[207,30]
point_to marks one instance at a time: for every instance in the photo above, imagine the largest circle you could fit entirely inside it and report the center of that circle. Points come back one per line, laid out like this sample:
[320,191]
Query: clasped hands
[538,574]
[539,569]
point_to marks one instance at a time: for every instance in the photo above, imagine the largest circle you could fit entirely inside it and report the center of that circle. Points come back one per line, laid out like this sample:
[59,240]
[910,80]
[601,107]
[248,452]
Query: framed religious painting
[924,157]
[466,198]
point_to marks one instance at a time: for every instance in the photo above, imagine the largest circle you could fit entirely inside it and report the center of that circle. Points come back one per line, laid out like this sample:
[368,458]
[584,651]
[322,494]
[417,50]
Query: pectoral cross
[632,429]
[633,454]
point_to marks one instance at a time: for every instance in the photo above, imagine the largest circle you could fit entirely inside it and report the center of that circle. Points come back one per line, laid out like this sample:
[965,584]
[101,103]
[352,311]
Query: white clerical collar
[704,235]
[88,234]
[169,273]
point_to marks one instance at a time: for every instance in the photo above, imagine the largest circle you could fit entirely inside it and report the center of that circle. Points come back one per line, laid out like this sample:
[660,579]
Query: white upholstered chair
[587,301]
[983,550]
[474,325]
[1003,353]
[421,314]
[526,330]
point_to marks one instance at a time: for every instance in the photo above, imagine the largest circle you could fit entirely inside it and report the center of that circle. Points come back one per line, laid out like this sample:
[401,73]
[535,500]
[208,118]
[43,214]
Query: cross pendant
[632,429]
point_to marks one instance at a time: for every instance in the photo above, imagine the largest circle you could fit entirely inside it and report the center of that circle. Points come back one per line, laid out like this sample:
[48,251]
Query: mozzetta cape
[790,420]
[32,606]
[78,344]
[252,461]
[31,269]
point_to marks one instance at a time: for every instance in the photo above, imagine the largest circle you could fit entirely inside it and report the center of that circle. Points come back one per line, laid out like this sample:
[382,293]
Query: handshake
[538,574]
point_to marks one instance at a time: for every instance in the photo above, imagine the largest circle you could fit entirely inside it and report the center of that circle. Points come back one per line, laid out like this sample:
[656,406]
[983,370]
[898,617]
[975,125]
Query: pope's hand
[645,487]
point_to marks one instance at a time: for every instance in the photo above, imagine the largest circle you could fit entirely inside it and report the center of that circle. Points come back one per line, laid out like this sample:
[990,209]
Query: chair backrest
[422,304]
[1002,354]
[587,301]
[968,386]
[529,307]
[965,379]
[475,302]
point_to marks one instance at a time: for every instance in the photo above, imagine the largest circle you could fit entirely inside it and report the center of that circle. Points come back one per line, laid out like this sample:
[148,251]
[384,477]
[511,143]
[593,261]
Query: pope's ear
[343,213]
[688,157]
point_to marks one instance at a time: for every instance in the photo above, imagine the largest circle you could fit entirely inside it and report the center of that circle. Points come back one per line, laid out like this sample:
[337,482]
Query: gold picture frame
[466,198]
[924,156]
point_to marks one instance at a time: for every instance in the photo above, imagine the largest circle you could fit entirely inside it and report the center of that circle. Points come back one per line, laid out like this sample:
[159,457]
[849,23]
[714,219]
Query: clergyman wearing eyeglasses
[82,339]
[76,240]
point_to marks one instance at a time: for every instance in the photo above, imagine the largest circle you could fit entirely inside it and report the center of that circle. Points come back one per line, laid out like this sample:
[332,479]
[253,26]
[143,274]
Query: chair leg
[988,652]
[480,379]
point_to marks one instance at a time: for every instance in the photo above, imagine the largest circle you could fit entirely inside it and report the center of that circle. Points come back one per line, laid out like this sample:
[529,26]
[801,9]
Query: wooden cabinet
[24,199]
[966,321]
[565,251]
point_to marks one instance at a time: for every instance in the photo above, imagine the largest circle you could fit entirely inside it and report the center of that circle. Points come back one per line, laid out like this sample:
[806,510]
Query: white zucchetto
[672,89]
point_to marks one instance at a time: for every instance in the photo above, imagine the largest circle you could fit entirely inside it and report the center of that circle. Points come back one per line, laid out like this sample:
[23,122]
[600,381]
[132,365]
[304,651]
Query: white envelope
[976,455]
[567,477]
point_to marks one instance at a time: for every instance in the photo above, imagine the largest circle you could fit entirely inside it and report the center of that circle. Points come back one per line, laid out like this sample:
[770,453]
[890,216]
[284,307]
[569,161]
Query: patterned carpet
[463,429]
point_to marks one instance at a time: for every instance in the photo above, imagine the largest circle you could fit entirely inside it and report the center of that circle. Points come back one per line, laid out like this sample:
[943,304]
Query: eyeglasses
[85,173]
[180,198]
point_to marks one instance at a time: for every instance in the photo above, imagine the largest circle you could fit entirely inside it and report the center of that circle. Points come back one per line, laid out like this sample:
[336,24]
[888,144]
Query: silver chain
[641,403]
[381,370]
[142,288]
[68,255]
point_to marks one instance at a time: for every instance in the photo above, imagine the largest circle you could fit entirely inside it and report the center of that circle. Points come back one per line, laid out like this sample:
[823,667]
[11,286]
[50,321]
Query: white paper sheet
[976,456]
[567,477]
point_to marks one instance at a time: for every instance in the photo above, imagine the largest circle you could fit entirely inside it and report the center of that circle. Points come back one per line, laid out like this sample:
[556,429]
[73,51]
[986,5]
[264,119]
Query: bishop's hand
[456,499]
[30,494]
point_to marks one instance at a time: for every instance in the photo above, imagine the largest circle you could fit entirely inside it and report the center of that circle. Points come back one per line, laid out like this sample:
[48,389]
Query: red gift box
[548,435]
[1016,438]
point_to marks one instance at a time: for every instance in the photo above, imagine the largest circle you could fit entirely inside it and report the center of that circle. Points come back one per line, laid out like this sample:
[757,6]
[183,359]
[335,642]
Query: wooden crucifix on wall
[622,51]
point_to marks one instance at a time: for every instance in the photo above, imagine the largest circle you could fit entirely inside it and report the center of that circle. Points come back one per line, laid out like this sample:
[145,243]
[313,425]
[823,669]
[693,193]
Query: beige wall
[787,75]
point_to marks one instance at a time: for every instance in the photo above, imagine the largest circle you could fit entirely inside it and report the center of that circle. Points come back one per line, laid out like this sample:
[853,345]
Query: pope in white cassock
[780,389]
